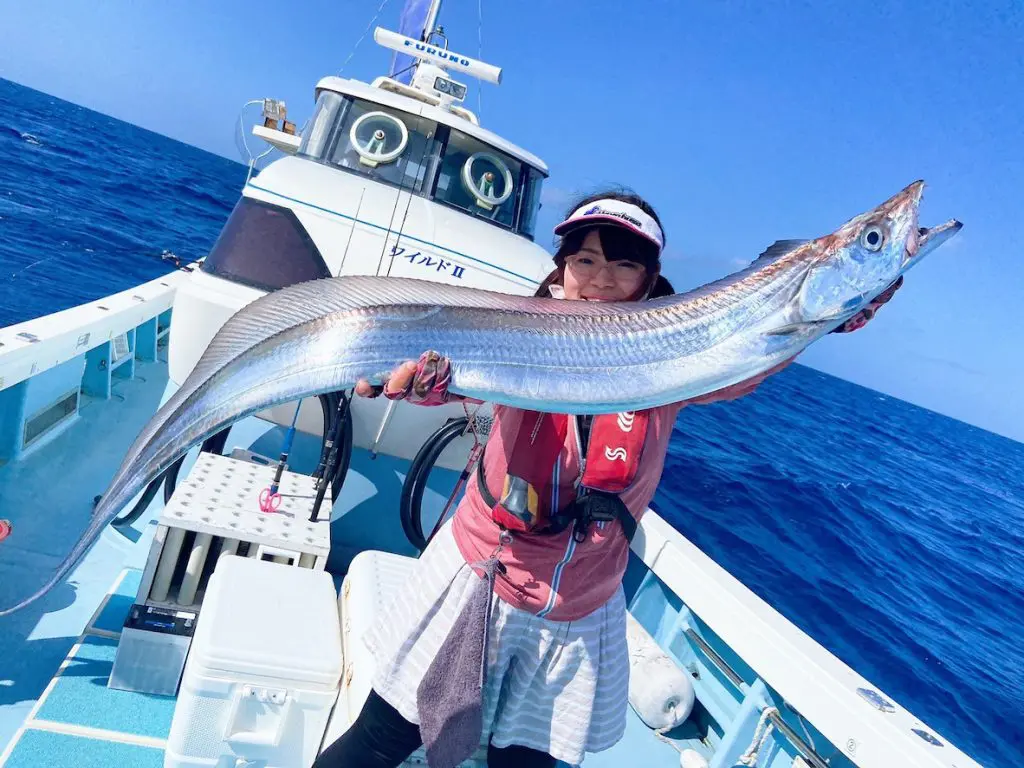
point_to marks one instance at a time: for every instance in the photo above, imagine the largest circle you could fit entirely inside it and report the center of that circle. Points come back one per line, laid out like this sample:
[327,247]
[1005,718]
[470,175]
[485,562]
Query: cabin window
[383,143]
[424,158]
[264,246]
[529,204]
[317,135]
[479,179]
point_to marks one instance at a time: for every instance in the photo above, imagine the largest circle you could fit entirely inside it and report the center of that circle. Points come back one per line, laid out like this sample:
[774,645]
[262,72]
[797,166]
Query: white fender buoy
[659,691]
[689,758]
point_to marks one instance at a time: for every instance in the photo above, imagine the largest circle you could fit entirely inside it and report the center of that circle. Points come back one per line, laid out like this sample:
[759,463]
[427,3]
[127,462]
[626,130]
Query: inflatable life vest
[611,447]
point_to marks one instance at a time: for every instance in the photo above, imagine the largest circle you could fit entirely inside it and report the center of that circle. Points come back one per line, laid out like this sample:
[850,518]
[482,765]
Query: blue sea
[892,535]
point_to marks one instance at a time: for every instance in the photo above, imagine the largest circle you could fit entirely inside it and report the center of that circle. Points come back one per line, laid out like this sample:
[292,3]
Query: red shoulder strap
[525,499]
[613,453]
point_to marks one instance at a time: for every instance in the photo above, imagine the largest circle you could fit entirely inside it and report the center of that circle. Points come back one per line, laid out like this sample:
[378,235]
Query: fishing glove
[861,319]
[429,385]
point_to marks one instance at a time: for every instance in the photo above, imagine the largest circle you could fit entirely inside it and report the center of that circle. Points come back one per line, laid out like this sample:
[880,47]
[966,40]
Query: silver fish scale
[403,317]
[324,335]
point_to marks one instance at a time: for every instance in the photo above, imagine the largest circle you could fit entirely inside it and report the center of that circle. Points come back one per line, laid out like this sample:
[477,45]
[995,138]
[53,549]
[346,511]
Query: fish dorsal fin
[780,248]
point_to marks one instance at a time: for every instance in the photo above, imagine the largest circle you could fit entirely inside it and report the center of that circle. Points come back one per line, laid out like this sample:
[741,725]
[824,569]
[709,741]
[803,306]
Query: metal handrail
[723,666]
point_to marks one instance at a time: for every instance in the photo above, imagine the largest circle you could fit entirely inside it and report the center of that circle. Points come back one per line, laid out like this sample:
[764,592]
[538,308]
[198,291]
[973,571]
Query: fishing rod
[270,499]
[329,456]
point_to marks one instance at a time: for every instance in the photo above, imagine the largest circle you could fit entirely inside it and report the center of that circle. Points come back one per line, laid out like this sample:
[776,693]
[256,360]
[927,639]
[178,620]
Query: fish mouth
[929,238]
[921,240]
[913,244]
[906,200]
[906,205]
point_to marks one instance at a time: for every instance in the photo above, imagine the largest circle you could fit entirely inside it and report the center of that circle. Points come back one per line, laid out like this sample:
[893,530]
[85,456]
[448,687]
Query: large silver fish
[545,354]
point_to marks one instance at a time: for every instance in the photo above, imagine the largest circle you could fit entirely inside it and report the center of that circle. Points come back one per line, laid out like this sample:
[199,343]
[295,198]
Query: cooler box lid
[271,620]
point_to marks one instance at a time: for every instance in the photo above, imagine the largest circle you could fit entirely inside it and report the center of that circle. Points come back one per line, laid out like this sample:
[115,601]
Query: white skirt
[558,687]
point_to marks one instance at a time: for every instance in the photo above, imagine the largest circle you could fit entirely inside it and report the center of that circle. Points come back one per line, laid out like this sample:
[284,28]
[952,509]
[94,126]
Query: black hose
[140,506]
[215,444]
[325,473]
[344,458]
[329,404]
[169,478]
[172,479]
[410,509]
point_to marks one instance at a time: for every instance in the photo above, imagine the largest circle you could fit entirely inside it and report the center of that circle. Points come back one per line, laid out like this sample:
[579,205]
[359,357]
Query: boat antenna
[431,23]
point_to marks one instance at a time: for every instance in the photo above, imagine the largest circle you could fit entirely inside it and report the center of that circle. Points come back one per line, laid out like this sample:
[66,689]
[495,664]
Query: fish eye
[873,237]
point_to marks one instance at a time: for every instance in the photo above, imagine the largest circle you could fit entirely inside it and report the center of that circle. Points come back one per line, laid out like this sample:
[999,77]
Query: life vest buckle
[596,506]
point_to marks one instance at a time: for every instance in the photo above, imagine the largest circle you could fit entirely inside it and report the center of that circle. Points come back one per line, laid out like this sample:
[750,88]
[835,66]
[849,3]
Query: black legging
[382,738]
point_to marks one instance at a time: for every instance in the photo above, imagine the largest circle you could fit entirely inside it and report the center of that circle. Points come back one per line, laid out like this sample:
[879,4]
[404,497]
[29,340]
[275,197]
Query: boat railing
[48,363]
[768,666]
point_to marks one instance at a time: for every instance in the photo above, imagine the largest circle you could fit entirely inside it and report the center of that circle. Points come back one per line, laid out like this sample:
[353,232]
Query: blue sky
[743,123]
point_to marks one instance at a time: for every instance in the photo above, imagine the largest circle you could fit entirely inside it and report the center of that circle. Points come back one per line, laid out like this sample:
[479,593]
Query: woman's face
[591,277]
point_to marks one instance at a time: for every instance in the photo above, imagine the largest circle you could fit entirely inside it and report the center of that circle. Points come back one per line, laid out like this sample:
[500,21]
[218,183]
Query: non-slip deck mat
[81,697]
[42,749]
[112,617]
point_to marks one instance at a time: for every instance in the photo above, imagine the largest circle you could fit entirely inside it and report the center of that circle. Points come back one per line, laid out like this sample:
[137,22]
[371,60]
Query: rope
[363,36]
[807,733]
[660,733]
[245,144]
[761,734]
[691,756]
[480,57]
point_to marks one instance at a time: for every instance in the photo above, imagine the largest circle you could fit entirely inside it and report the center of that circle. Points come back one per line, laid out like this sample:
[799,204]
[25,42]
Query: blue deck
[79,721]
[74,718]
[47,495]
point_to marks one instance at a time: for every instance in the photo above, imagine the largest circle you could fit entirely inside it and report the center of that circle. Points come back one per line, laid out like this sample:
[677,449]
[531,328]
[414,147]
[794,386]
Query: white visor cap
[617,212]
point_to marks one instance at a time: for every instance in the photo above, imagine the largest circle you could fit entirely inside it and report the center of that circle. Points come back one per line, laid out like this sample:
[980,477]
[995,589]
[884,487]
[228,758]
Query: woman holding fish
[514,622]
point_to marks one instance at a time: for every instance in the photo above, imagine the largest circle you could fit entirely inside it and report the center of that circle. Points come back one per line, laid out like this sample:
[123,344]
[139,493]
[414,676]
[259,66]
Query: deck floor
[55,706]
[47,495]
[79,721]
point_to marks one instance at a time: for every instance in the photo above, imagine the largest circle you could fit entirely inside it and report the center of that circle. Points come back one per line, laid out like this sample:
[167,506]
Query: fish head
[861,259]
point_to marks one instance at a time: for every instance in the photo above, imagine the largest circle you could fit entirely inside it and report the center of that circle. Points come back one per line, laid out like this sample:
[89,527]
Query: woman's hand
[423,382]
[861,319]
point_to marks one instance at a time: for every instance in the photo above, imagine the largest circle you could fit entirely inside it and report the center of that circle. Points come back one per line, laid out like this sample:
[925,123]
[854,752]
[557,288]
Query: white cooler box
[263,672]
[372,580]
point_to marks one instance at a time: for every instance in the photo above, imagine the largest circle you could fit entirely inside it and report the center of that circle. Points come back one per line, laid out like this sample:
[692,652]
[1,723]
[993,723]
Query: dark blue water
[88,204]
[892,535]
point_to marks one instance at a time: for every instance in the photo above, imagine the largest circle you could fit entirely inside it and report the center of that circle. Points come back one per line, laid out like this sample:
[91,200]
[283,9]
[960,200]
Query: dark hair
[616,242]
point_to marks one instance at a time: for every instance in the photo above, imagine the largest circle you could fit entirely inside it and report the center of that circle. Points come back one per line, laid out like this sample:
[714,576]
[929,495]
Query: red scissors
[270,500]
